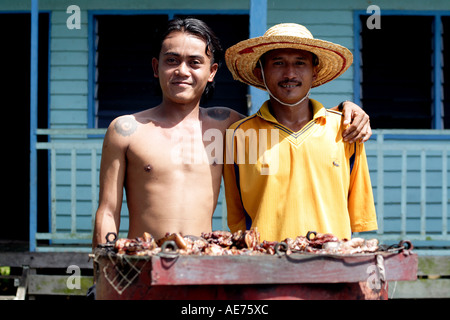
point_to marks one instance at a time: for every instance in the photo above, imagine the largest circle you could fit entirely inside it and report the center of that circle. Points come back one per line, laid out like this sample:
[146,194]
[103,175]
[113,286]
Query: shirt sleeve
[361,203]
[235,209]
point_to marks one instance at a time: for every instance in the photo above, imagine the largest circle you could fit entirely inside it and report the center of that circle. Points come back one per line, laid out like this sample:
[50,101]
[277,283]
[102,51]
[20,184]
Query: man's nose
[289,72]
[183,69]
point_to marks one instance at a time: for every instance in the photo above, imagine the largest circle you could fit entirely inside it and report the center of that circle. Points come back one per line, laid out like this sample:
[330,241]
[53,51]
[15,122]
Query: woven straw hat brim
[242,58]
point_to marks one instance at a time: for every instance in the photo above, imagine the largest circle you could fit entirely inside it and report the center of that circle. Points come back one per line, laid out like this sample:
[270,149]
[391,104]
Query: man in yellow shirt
[287,169]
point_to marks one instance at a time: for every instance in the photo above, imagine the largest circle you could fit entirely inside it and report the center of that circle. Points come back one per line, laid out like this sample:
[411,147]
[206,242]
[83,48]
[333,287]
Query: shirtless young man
[162,156]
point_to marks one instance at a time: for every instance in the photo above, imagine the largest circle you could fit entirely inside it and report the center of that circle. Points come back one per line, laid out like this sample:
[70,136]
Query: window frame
[437,45]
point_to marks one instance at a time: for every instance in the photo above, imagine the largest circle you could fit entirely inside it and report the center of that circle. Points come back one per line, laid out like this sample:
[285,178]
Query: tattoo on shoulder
[125,126]
[218,114]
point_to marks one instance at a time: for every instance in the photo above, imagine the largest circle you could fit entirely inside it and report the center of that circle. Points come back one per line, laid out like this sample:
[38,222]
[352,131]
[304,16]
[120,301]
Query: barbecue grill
[297,275]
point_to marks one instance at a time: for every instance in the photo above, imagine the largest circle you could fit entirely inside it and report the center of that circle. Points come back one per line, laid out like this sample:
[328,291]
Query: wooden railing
[409,172]
[74,160]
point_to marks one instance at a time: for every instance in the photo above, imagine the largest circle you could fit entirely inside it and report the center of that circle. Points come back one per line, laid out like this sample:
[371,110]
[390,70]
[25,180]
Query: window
[123,67]
[446,70]
[398,67]
[124,76]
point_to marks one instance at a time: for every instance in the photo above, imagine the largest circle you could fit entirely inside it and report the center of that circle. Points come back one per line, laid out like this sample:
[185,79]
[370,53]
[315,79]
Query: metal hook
[109,234]
[281,244]
[406,249]
[169,249]
[308,235]
[408,246]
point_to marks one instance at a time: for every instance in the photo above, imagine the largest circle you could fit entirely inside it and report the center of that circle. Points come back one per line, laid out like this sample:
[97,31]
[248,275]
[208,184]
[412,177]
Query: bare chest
[181,149]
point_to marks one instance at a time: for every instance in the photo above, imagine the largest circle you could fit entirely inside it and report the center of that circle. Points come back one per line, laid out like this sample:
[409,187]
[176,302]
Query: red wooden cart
[295,276]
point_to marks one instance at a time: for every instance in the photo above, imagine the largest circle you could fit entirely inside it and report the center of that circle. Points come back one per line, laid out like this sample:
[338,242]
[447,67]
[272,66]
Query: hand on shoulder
[224,114]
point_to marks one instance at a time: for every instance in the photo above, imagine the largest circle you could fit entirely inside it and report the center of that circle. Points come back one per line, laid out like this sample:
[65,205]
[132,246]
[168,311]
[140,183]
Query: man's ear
[155,65]
[258,74]
[314,78]
[213,70]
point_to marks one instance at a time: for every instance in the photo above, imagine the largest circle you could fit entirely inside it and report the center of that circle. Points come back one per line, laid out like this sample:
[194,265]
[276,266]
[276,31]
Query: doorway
[15,35]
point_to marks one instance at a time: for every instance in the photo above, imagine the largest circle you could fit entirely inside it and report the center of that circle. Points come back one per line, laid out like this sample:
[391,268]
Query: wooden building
[90,61]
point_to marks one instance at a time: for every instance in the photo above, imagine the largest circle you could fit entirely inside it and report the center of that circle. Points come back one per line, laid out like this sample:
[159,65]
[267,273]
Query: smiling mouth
[290,84]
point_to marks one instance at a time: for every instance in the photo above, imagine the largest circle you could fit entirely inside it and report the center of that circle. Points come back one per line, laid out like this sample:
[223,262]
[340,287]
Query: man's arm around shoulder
[229,116]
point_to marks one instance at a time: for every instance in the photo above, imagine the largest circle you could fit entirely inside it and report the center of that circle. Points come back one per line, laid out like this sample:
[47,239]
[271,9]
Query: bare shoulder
[124,125]
[120,133]
[224,114]
[127,125]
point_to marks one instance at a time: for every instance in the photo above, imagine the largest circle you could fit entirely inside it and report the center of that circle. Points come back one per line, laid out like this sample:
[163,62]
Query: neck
[292,117]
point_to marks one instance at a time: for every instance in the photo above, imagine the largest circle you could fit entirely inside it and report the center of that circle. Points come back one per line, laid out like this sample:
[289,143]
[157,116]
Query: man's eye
[196,64]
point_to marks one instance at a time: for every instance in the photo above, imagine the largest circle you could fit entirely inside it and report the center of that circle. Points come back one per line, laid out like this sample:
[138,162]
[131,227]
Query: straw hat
[243,57]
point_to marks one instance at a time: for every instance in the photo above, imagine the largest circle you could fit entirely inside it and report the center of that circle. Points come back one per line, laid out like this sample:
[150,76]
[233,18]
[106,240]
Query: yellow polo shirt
[295,182]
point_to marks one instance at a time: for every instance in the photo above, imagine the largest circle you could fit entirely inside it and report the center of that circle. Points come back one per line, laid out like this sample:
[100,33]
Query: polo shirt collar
[318,110]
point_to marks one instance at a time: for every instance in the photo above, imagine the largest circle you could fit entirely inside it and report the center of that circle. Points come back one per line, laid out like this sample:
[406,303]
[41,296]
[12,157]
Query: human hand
[359,123]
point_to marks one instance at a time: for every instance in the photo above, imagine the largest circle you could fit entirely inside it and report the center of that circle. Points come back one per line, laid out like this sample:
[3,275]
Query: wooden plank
[61,31]
[46,259]
[339,86]
[420,289]
[69,117]
[310,17]
[434,265]
[24,281]
[67,101]
[58,285]
[69,73]
[72,58]
[207,270]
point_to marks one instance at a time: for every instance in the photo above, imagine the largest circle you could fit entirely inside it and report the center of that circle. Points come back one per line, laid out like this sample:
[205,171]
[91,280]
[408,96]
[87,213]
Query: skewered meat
[268,247]
[179,240]
[222,238]
[194,245]
[138,246]
[300,243]
[353,246]
[246,239]
[241,239]
[321,238]
[244,243]
[358,245]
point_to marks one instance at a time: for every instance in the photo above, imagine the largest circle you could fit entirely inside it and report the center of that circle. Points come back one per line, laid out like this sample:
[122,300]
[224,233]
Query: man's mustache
[290,81]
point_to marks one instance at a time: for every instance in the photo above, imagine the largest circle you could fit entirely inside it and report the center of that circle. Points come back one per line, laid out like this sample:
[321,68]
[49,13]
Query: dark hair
[202,30]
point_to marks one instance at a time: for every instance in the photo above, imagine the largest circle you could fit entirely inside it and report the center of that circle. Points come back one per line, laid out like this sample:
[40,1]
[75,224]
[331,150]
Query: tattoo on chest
[218,114]
[125,126]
